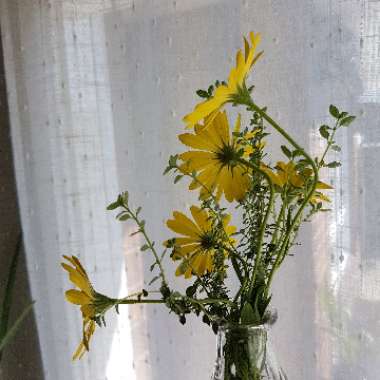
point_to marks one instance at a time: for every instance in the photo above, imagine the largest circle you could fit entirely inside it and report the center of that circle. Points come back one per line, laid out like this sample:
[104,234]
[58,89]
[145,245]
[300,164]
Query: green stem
[205,301]
[278,221]
[265,220]
[237,270]
[149,243]
[128,301]
[329,143]
[310,193]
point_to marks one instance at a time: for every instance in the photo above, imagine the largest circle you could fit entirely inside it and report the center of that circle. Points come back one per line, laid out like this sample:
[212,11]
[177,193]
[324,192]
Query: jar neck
[254,336]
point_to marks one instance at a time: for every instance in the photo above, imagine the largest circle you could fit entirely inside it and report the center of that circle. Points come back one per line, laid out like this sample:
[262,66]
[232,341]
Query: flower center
[207,240]
[227,155]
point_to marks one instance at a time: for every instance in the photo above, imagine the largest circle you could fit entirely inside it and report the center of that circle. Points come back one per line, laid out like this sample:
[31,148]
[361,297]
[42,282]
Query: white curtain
[97,90]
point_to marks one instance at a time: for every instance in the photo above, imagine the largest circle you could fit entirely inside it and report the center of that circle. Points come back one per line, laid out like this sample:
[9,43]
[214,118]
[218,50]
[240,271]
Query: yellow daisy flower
[215,160]
[93,305]
[225,92]
[199,241]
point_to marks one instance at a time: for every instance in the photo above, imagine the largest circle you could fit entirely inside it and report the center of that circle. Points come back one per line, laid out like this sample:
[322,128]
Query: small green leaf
[334,111]
[210,90]
[202,93]
[152,266]
[113,205]
[247,314]
[347,121]
[286,151]
[178,178]
[138,210]
[324,132]
[124,217]
[173,160]
[154,279]
[145,247]
[167,170]
[297,152]
[333,164]
[336,148]
[124,198]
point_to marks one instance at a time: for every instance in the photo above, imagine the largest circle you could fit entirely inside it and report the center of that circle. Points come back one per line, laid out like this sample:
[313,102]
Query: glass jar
[244,353]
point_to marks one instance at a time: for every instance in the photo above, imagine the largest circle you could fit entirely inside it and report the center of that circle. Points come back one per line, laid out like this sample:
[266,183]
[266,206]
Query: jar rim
[241,326]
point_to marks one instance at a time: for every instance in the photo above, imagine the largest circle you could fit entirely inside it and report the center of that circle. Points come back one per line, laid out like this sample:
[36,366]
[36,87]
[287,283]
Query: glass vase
[244,353]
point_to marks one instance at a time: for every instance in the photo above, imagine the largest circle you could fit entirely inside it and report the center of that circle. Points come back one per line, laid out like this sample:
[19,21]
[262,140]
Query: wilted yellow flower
[93,305]
[225,92]
[199,241]
[215,160]
[88,331]
[287,174]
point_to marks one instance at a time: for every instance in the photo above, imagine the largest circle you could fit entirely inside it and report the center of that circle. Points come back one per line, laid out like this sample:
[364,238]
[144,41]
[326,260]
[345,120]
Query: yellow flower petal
[77,297]
[201,218]
[322,186]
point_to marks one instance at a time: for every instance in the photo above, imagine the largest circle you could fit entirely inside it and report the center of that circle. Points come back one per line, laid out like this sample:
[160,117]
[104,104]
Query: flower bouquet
[230,169]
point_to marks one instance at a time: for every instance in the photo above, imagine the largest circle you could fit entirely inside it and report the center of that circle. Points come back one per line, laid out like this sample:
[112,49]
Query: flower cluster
[229,168]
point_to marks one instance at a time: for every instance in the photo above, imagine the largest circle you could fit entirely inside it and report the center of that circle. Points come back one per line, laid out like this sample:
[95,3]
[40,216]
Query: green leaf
[173,160]
[124,217]
[297,152]
[286,151]
[124,198]
[202,94]
[334,111]
[247,314]
[138,210]
[323,130]
[145,247]
[347,121]
[178,178]
[167,170]
[333,164]
[113,205]
[12,331]
[152,266]
[7,301]
[154,279]
[336,148]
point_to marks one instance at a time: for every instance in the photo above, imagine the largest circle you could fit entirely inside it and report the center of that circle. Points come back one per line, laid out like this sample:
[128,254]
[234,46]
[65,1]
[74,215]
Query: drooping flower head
[287,174]
[215,160]
[199,241]
[93,305]
[226,92]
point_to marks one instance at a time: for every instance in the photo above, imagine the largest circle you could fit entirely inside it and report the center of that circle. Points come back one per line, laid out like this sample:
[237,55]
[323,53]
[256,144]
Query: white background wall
[97,90]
